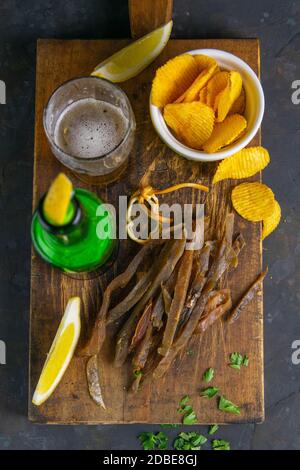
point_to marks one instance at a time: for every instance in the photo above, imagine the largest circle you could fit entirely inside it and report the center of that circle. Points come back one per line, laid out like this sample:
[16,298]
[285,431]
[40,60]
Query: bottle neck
[68,233]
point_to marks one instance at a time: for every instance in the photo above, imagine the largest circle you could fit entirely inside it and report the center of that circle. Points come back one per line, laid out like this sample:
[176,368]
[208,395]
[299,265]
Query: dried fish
[247,297]
[159,304]
[167,298]
[218,304]
[171,253]
[142,325]
[93,381]
[180,293]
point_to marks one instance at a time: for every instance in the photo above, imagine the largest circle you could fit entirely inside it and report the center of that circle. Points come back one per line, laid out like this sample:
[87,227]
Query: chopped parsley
[212,429]
[189,416]
[209,392]
[189,441]
[152,441]
[208,375]
[228,406]
[237,360]
[220,444]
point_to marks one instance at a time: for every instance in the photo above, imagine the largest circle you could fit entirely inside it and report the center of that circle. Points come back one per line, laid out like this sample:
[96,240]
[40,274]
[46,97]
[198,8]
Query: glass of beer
[90,126]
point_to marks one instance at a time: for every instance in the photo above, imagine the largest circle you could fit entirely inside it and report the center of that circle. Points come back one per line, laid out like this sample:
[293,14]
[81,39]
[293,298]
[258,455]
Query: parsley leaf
[151,441]
[237,360]
[220,444]
[213,428]
[189,441]
[228,406]
[208,375]
[188,412]
[166,425]
[209,392]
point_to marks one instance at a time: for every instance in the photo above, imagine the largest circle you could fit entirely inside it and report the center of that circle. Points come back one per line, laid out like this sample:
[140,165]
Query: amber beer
[90,126]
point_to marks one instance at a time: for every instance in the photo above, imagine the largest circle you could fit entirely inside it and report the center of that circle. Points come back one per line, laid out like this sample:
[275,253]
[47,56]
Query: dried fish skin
[93,380]
[247,297]
[165,265]
[142,325]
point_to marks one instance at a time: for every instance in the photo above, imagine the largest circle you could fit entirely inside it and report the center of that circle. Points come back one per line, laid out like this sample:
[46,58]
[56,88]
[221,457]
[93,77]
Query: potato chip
[239,105]
[225,133]
[192,93]
[205,61]
[173,78]
[215,85]
[253,201]
[191,122]
[202,95]
[271,222]
[227,97]
[242,164]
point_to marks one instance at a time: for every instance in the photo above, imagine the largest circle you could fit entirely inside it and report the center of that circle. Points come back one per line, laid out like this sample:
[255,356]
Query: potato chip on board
[224,133]
[270,223]
[227,97]
[253,201]
[215,85]
[243,164]
[239,105]
[192,93]
[172,79]
[191,122]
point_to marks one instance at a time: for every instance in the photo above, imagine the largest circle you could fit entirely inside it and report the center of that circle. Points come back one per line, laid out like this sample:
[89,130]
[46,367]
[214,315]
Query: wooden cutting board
[58,61]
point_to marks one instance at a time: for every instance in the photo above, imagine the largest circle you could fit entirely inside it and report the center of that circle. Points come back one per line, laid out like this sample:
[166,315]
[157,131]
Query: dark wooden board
[57,61]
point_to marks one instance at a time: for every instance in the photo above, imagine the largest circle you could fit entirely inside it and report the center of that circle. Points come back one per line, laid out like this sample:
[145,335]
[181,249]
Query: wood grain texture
[58,61]
[146,15]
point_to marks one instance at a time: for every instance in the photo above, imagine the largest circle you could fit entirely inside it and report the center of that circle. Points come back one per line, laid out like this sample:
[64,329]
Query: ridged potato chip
[253,201]
[202,95]
[191,122]
[205,61]
[227,97]
[192,93]
[271,222]
[242,164]
[224,133]
[172,79]
[239,105]
[215,85]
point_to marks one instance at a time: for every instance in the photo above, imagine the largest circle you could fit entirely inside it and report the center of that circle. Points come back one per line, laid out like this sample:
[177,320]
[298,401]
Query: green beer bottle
[76,246]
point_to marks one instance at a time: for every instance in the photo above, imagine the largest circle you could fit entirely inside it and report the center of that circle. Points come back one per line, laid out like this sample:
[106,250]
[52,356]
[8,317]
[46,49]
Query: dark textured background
[276,23]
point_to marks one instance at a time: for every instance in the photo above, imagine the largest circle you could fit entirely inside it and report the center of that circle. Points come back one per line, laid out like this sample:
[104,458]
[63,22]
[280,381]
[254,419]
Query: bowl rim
[197,155]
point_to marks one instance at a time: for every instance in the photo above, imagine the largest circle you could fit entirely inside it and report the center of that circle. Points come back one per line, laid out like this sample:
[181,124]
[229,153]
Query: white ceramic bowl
[255,105]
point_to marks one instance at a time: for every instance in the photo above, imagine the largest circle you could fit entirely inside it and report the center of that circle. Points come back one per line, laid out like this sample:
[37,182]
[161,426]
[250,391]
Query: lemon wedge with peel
[132,59]
[57,200]
[61,352]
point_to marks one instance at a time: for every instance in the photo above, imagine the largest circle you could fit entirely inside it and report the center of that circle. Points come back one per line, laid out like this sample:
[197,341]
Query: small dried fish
[165,265]
[218,304]
[93,381]
[167,298]
[247,297]
[142,325]
[180,292]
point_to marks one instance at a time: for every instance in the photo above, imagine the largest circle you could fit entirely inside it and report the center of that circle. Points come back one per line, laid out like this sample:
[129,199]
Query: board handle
[146,15]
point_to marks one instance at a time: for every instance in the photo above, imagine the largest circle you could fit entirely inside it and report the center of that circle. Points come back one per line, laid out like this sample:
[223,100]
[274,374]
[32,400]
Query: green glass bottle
[76,247]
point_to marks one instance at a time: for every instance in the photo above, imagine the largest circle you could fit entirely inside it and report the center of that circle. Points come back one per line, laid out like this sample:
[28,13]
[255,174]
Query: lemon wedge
[57,200]
[61,352]
[132,59]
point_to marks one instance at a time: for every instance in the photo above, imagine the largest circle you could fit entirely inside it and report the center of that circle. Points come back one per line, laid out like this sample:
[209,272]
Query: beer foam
[89,128]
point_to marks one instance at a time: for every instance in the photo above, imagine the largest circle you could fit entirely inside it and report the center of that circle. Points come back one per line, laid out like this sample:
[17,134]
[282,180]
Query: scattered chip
[215,85]
[224,133]
[271,222]
[191,122]
[253,201]
[227,97]
[192,93]
[172,79]
[239,105]
[242,164]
